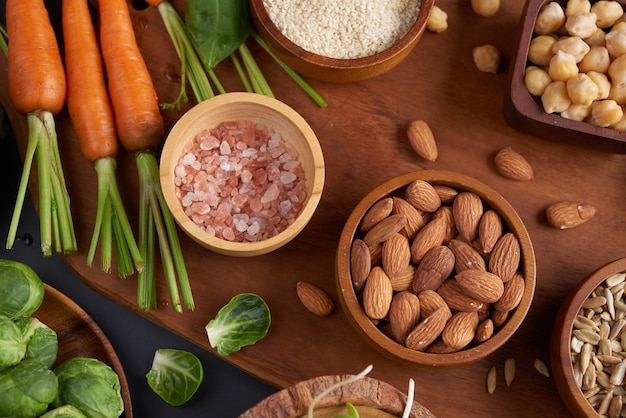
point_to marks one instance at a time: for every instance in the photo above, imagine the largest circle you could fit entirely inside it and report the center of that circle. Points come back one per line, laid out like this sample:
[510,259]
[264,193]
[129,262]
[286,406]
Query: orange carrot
[140,128]
[91,113]
[37,88]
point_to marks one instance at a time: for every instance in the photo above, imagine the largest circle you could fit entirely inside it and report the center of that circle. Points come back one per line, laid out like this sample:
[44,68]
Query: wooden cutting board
[363,137]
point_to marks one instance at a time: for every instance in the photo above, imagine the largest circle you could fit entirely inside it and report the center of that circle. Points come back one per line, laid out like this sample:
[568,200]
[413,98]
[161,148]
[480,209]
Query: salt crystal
[287,177]
[224,148]
[271,194]
[188,158]
[253,229]
[228,234]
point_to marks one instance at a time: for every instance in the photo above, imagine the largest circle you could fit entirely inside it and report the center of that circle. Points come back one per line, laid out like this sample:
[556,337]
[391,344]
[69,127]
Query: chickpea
[555,99]
[597,59]
[574,7]
[620,125]
[572,45]
[618,26]
[616,42]
[617,70]
[485,7]
[618,94]
[549,19]
[540,49]
[562,66]
[437,21]
[581,24]
[603,83]
[581,89]
[606,112]
[577,112]
[597,39]
[536,79]
[487,58]
[607,12]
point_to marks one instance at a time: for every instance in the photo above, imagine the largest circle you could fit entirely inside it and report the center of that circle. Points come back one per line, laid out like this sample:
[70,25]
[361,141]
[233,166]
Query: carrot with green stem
[141,131]
[37,89]
[92,116]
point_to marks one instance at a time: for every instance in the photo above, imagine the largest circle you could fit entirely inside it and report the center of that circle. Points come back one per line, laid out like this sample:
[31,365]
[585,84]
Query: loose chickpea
[562,66]
[485,7]
[616,42]
[618,26]
[487,58]
[603,83]
[607,12]
[620,125]
[597,39]
[581,24]
[576,112]
[617,70]
[618,94]
[437,21]
[549,19]
[540,49]
[555,99]
[606,112]
[581,89]
[536,79]
[597,59]
[574,7]
[572,45]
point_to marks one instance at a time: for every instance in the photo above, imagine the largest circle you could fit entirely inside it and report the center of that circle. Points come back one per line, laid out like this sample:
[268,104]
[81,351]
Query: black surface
[226,390]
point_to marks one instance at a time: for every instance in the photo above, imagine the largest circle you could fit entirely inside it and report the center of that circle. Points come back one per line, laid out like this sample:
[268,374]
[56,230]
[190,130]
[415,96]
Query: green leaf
[242,321]
[175,375]
[217,27]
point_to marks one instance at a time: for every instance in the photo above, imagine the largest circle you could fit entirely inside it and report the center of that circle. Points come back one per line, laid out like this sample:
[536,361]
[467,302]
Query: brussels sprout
[242,321]
[12,347]
[65,411]
[91,386]
[21,289]
[175,375]
[41,341]
[26,389]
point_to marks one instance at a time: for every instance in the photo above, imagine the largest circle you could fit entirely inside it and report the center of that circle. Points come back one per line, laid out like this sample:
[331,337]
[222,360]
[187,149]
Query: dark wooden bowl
[560,345]
[332,69]
[525,113]
[379,340]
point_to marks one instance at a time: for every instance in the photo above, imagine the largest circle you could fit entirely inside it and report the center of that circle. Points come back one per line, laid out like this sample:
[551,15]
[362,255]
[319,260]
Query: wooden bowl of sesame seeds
[242,173]
[338,42]
[588,346]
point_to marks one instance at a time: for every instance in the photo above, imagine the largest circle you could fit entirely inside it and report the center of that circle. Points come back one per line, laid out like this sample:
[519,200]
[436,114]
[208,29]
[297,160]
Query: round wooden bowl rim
[561,359]
[375,336]
[179,135]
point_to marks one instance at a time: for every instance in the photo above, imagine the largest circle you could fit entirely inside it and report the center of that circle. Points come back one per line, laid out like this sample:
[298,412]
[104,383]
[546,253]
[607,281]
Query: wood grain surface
[363,137]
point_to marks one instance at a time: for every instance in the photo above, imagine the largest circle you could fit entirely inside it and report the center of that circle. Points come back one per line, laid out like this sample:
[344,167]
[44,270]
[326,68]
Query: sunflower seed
[541,367]
[509,371]
[491,380]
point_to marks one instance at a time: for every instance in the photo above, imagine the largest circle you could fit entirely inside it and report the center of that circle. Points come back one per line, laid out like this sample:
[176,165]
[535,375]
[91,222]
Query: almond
[384,229]
[434,268]
[404,280]
[396,254]
[505,257]
[484,331]
[439,347]
[360,263]
[427,330]
[499,318]
[565,215]
[422,195]
[513,292]
[467,209]
[314,298]
[446,193]
[377,294]
[431,235]
[414,219]
[422,140]
[489,230]
[480,285]
[376,213]
[404,314]
[513,165]
[445,213]
[457,299]
[466,257]
[460,329]
[376,253]
[430,301]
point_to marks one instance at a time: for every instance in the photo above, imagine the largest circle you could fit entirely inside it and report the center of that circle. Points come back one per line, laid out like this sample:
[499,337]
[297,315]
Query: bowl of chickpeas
[568,78]
[330,41]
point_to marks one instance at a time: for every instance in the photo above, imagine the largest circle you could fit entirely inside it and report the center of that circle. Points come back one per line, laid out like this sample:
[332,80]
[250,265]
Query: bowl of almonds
[588,347]
[435,268]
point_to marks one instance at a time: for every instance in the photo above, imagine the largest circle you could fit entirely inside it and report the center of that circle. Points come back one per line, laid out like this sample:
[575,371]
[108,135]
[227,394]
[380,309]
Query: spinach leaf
[217,27]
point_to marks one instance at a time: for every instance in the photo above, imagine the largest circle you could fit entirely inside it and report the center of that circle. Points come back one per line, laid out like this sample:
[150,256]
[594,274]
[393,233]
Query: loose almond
[466,257]
[467,209]
[422,140]
[427,330]
[456,298]
[446,193]
[414,219]
[513,165]
[377,294]
[431,235]
[404,314]
[565,215]
[434,268]
[505,257]
[396,254]
[480,285]
[430,301]
[489,230]
[384,229]
[404,280]
[314,298]
[484,331]
[445,213]
[513,293]
[460,329]
[423,196]
[360,263]
[379,211]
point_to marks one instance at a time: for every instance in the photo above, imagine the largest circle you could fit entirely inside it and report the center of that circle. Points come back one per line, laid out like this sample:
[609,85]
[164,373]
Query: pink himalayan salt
[240,182]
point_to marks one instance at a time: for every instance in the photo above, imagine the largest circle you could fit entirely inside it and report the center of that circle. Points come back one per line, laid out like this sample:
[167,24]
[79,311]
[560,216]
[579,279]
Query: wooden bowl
[372,398]
[380,340]
[561,339]
[332,69]
[258,109]
[525,113]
